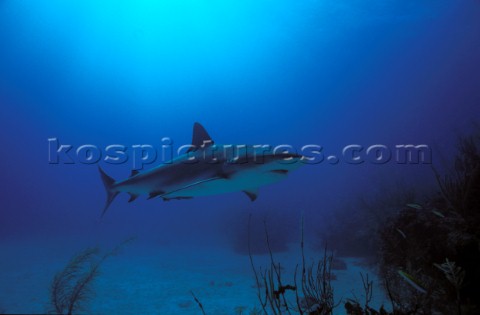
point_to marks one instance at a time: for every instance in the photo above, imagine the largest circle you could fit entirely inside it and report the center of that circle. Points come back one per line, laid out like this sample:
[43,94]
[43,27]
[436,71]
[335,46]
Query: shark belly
[245,181]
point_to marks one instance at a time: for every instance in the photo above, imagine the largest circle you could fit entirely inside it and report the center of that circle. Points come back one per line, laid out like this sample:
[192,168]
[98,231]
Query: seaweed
[200,305]
[444,228]
[316,284]
[313,294]
[72,287]
[460,188]
[353,307]
[455,275]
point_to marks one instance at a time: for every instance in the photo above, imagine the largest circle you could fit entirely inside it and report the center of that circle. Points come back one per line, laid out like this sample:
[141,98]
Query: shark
[206,169]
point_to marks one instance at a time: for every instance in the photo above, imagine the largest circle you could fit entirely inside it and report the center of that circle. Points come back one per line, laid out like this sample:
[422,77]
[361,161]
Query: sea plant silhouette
[312,294]
[73,286]
[430,253]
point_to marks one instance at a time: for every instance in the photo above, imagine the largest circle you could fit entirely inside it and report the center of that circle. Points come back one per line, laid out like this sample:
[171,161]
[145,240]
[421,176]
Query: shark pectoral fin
[134,172]
[200,137]
[252,194]
[154,194]
[132,197]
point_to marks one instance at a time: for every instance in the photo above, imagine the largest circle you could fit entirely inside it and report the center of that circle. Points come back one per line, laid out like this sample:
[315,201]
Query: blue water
[331,73]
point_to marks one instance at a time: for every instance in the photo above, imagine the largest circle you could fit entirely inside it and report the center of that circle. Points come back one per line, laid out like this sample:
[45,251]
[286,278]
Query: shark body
[183,179]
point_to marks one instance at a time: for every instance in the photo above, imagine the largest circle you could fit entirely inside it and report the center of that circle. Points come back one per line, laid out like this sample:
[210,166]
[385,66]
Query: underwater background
[324,72]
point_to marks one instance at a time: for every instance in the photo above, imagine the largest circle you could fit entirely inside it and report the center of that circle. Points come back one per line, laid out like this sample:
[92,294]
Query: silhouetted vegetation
[200,305]
[430,253]
[310,293]
[427,246]
[72,287]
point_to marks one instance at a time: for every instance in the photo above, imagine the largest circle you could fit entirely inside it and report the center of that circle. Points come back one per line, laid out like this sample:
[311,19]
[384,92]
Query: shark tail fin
[111,194]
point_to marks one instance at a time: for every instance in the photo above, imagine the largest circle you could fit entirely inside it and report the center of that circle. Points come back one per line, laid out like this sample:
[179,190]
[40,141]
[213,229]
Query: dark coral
[444,230]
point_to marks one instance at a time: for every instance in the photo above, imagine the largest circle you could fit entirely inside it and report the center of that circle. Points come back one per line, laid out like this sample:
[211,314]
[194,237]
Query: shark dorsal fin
[200,137]
[134,172]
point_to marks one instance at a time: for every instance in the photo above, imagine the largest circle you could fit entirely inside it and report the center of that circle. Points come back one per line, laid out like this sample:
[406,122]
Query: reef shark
[206,169]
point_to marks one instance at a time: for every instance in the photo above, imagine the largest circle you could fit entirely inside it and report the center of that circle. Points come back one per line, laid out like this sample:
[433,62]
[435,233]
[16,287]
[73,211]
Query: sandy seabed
[158,280]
